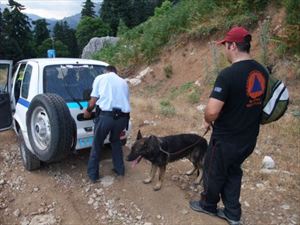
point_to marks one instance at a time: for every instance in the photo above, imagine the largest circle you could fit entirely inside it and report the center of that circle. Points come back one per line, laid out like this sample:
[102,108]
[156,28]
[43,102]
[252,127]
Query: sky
[56,9]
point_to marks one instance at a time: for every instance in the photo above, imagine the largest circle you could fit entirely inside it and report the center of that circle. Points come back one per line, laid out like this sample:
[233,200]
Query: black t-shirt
[242,88]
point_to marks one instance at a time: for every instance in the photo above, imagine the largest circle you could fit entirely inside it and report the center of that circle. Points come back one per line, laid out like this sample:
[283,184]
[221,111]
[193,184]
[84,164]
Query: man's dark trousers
[105,124]
[223,175]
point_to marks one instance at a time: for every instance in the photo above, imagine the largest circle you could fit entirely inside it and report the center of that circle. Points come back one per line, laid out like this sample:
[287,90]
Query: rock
[96,44]
[91,201]
[268,163]
[246,204]
[147,223]
[260,185]
[134,81]
[139,217]
[36,189]
[107,181]
[201,108]
[285,206]
[2,181]
[184,211]
[17,213]
[43,220]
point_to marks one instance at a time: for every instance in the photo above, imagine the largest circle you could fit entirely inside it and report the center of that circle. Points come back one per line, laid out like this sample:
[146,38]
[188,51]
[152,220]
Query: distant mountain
[71,20]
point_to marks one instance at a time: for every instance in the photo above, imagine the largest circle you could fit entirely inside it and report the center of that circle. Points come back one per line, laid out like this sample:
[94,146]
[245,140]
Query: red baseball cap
[236,34]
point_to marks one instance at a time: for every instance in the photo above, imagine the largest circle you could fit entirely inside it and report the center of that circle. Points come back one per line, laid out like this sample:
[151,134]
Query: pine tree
[18,41]
[66,35]
[40,31]
[88,28]
[132,12]
[88,9]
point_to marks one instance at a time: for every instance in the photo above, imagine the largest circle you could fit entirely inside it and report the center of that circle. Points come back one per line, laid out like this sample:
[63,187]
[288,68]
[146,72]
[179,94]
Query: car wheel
[50,127]
[30,161]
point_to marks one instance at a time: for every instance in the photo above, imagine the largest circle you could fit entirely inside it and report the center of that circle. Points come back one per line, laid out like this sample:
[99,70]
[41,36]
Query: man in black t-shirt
[233,110]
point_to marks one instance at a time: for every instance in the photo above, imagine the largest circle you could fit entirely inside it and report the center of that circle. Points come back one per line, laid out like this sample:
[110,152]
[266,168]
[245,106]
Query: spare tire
[50,127]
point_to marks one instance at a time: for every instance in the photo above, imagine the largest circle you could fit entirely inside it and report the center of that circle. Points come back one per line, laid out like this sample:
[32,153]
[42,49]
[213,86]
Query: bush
[167,109]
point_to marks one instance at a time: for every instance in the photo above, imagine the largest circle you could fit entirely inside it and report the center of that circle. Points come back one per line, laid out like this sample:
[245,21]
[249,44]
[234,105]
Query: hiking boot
[221,214]
[195,205]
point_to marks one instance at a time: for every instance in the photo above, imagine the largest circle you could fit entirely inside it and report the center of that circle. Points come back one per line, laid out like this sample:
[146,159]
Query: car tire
[30,161]
[50,127]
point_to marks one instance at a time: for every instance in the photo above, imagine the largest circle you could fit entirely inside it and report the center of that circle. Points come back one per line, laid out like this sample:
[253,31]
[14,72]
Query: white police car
[42,99]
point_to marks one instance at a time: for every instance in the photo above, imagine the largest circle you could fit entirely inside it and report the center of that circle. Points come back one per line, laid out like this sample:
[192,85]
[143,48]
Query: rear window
[71,82]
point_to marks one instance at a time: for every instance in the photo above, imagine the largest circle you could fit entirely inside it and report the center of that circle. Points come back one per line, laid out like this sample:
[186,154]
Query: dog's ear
[152,143]
[139,135]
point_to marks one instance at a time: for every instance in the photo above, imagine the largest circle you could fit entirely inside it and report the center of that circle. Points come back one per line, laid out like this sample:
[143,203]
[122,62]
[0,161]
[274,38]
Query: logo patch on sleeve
[218,89]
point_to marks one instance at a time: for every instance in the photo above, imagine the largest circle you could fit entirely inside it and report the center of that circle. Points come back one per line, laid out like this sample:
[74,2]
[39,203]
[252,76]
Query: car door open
[5,89]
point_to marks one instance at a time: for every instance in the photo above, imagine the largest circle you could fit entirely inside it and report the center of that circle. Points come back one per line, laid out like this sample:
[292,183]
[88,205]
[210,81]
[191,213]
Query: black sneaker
[194,205]
[221,214]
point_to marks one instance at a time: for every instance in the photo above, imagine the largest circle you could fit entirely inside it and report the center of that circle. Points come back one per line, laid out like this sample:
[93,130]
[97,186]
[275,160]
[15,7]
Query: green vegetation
[289,40]
[166,108]
[189,90]
[197,18]
[168,70]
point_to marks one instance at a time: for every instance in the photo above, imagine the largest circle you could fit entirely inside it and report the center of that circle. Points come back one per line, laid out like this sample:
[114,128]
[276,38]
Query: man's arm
[92,103]
[212,111]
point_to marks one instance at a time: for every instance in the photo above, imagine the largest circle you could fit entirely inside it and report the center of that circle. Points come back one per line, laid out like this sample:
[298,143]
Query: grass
[167,109]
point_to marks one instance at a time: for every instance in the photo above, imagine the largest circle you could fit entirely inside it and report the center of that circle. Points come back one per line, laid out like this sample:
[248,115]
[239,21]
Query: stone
[96,44]
[43,219]
[268,163]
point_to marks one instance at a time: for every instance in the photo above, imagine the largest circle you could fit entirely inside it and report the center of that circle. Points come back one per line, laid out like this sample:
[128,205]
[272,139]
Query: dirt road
[61,194]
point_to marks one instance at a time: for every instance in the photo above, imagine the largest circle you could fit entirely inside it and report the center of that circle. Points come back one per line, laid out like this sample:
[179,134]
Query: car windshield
[71,82]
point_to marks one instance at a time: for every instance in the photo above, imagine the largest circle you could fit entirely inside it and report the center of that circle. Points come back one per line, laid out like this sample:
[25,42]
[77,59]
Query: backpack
[276,101]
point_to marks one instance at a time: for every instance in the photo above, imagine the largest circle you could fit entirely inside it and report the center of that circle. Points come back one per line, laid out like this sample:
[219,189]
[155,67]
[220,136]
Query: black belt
[111,113]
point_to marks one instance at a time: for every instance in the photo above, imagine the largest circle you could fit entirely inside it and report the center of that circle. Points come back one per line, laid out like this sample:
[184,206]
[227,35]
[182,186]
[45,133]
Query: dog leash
[182,150]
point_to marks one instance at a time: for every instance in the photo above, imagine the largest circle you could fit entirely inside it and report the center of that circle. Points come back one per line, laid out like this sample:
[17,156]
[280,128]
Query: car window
[26,81]
[19,78]
[71,82]
[4,70]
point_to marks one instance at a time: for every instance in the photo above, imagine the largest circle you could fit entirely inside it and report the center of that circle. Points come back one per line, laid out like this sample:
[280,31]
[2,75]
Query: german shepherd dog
[162,150]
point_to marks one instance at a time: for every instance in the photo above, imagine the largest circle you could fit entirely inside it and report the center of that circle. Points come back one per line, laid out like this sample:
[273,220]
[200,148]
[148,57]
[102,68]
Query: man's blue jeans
[103,126]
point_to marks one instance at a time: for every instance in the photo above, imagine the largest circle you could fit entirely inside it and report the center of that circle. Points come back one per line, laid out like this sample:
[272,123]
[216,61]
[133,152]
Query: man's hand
[86,114]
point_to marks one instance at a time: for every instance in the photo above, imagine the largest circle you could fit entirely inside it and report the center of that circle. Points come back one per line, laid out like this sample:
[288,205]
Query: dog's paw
[147,181]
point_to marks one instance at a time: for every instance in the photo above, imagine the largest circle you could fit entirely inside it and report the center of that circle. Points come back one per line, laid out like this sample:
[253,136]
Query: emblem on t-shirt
[218,89]
[255,88]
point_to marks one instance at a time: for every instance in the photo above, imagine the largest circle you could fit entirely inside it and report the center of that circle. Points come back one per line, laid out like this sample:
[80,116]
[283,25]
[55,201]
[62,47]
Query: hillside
[266,198]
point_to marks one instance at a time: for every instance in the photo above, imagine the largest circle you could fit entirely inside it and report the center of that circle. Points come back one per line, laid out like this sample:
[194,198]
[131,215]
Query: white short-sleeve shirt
[112,92]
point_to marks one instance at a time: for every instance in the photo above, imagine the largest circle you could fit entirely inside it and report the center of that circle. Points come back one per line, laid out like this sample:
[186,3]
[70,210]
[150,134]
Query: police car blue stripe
[71,105]
[24,102]
[74,105]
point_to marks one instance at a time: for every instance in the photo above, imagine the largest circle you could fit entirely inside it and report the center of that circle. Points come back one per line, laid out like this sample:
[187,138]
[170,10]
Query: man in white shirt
[111,96]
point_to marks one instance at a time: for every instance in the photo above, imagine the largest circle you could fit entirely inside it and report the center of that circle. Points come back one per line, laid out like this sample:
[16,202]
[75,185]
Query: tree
[40,31]
[132,12]
[17,39]
[60,48]
[88,28]
[66,35]
[88,9]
